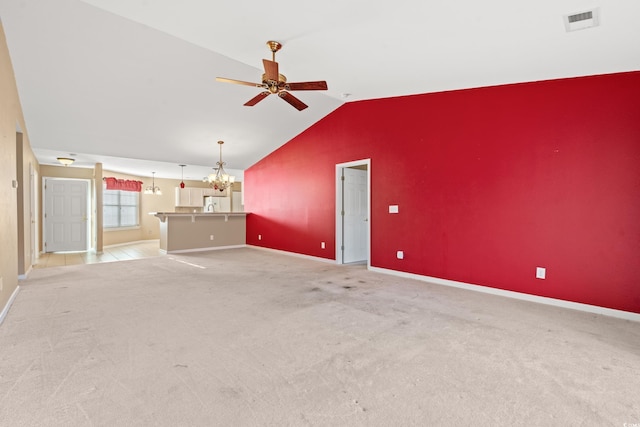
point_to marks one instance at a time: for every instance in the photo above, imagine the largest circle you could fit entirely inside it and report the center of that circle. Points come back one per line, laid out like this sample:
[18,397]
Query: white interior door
[65,221]
[355,215]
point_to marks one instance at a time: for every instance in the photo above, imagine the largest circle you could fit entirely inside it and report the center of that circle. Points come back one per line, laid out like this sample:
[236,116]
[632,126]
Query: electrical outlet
[1,284]
[322,245]
[541,273]
[211,237]
[400,254]
[259,236]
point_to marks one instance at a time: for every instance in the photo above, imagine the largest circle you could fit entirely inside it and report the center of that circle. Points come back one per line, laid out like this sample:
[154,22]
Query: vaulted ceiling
[131,83]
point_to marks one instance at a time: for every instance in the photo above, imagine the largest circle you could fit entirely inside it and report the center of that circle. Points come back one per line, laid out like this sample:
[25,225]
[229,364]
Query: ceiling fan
[275,83]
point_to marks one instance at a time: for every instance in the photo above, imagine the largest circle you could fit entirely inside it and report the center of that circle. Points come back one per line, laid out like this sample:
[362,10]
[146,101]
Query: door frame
[89,220]
[339,197]
[33,189]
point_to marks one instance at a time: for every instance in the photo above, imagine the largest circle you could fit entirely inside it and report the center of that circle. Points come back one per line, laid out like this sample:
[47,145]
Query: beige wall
[15,193]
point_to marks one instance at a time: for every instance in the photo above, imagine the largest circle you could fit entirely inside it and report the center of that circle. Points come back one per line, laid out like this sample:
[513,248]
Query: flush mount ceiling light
[220,180]
[66,160]
[152,189]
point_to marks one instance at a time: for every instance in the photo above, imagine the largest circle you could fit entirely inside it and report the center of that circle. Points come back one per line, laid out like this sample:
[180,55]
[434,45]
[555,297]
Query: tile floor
[113,253]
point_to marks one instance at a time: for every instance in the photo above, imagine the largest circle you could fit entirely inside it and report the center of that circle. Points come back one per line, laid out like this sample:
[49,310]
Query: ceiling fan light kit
[275,83]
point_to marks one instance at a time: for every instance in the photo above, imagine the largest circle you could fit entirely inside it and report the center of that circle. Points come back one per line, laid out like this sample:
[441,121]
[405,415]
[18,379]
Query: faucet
[212,207]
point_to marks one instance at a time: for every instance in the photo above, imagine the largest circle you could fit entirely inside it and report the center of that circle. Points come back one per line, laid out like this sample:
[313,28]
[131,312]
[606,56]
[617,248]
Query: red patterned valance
[122,184]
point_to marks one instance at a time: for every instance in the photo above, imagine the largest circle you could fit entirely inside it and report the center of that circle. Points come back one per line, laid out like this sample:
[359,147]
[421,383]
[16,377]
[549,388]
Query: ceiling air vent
[582,20]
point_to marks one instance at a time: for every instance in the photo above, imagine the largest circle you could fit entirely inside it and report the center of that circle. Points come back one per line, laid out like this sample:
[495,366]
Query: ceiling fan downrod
[274,47]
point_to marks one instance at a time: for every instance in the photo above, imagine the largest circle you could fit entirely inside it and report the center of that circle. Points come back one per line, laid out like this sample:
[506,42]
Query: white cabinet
[183,196]
[196,196]
[215,193]
[190,197]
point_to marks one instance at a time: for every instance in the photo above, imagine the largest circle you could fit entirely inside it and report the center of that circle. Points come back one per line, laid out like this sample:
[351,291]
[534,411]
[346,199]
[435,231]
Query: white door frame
[33,217]
[88,209]
[339,195]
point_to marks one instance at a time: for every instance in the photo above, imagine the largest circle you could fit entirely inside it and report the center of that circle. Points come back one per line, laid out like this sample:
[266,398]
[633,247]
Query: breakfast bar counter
[201,231]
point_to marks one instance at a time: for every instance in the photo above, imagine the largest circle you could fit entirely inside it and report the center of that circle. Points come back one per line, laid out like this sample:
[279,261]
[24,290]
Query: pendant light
[182,182]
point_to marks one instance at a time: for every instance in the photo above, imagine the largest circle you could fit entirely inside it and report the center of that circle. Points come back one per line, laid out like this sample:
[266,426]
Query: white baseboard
[25,275]
[314,258]
[212,248]
[6,308]
[620,314]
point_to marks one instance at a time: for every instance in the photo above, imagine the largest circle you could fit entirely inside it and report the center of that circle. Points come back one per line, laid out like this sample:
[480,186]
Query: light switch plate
[541,273]
[393,208]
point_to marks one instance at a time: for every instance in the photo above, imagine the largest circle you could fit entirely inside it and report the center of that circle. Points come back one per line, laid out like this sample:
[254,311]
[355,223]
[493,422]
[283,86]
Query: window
[120,208]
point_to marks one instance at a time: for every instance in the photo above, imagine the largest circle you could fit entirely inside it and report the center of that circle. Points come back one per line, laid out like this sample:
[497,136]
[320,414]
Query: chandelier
[220,180]
[152,189]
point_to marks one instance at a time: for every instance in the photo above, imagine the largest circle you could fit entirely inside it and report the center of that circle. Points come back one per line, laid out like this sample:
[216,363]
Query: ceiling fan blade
[270,69]
[319,85]
[299,105]
[238,82]
[259,97]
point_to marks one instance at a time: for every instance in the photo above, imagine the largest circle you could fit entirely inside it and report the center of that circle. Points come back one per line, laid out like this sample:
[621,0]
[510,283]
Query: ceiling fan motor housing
[274,86]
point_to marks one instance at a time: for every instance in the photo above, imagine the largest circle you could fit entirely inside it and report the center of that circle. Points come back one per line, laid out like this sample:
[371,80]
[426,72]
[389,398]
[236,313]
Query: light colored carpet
[247,337]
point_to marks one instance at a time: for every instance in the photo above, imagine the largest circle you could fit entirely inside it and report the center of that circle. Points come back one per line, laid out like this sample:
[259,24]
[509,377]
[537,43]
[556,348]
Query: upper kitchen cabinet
[189,197]
[193,197]
[215,193]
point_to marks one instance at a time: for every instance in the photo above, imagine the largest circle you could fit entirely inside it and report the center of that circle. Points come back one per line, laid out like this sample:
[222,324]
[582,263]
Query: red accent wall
[490,182]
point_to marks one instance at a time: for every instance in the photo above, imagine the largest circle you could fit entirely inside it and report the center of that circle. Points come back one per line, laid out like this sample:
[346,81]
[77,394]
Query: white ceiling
[131,83]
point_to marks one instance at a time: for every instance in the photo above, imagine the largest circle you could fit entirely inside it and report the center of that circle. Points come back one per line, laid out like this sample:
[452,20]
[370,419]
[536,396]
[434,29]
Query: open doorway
[66,215]
[353,226]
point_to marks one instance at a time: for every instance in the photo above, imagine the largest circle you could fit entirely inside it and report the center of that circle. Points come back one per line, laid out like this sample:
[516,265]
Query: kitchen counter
[201,231]
[162,216]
